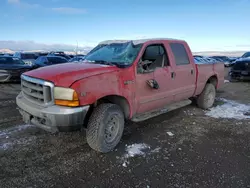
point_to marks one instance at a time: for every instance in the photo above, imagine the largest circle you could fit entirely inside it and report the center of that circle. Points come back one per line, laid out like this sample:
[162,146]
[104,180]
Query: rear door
[149,98]
[184,73]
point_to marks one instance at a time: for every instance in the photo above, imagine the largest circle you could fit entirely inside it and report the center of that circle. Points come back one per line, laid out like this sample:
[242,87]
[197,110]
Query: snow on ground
[7,134]
[230,109]
[137,150]
[170,134]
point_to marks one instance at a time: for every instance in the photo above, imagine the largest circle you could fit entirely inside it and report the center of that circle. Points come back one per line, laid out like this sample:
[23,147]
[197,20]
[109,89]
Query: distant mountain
[12,46]
[9,46]
[226,53]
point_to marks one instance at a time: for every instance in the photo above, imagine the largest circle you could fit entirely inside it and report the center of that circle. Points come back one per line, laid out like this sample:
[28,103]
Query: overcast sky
[205,25]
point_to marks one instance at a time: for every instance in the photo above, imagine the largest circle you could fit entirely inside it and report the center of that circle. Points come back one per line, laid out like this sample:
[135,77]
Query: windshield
[116,53]
[247,54]
[11,60]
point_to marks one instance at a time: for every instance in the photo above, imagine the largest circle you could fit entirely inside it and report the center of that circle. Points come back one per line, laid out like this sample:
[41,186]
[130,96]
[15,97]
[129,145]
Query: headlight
[66,97]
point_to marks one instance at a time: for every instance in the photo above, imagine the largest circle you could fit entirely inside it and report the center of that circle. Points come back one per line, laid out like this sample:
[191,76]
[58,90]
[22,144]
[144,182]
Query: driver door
[154,65]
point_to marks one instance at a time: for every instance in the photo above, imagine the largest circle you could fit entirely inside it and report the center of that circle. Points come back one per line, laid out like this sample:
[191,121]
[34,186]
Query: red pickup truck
[118,81]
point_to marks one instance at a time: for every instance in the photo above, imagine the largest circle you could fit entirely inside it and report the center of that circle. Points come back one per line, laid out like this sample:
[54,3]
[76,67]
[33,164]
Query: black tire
[207,97]
[100,120]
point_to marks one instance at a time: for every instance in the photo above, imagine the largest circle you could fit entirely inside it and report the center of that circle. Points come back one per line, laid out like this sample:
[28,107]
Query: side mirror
[153,84]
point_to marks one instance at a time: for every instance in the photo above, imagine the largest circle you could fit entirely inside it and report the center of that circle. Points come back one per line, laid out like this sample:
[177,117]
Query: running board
[154,113]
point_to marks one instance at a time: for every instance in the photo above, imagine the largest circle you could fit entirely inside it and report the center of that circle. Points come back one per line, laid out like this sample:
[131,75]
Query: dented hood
[65,74]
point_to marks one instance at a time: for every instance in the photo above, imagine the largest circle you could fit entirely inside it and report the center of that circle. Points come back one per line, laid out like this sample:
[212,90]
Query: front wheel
[105,127]
[207,97]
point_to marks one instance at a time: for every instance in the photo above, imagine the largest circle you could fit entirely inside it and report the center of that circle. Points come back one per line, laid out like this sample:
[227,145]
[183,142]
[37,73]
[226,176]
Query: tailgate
[205,71]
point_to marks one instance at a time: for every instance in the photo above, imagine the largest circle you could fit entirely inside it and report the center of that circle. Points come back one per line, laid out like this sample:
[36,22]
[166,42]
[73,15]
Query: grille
[36,90]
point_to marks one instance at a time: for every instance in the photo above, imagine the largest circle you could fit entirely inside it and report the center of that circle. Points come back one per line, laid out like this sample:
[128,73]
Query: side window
[180,54]
[153,57]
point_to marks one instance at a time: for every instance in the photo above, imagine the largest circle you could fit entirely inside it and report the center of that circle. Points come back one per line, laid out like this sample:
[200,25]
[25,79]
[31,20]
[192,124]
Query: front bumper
[240,75]
[52,118]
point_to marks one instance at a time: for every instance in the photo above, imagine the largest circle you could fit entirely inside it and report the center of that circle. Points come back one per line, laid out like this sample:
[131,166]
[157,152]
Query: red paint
[97,81]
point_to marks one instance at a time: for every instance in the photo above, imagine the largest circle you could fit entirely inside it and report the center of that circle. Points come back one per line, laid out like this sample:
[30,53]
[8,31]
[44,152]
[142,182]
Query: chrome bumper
[52,118]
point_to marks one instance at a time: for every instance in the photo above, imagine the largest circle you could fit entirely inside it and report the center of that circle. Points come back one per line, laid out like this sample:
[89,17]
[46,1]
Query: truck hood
[65,74]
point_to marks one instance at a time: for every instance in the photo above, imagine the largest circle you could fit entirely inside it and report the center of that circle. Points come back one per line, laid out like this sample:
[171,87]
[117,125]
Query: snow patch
[170,134]
[20,141]
[7,132]
[230,109]
[5,146]
[137,150]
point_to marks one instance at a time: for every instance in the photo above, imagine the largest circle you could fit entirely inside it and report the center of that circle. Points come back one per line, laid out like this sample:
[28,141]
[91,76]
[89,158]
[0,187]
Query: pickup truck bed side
[207,73]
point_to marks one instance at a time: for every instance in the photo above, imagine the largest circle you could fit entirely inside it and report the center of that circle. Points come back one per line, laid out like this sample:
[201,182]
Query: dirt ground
[187,149]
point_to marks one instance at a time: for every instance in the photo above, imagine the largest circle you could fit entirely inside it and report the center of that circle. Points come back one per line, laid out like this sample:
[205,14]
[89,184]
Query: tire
[206,99]
[105,118]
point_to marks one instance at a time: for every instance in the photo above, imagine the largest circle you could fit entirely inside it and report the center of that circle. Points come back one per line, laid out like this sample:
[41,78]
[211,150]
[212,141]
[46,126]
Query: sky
[207,25]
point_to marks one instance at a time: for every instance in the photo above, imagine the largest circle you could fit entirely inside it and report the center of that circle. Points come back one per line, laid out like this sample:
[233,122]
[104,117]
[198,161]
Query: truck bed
[205,71]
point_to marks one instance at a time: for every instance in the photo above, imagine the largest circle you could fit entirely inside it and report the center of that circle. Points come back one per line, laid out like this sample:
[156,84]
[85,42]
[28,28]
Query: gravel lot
[184,148]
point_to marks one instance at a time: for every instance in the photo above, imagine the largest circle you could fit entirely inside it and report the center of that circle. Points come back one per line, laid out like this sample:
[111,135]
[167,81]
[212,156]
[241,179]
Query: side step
[154,113]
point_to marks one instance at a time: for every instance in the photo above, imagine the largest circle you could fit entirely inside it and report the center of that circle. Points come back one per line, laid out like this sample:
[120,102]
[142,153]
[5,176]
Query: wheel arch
[213,80]
[118,100]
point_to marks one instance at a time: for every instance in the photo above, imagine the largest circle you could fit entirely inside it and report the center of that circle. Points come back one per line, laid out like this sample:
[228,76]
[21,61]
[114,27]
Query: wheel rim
[112,128]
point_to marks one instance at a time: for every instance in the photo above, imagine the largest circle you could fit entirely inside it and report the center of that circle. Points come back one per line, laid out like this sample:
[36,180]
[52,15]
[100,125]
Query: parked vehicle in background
[247,54]
[38,54]
[119,80]
[11,68]
[7,54]
[59,53]
[227,62]
[199,56]
[43,61]
[77,58]
[27,57]
[240,70]
[232,59]
[210,60]
[204,60]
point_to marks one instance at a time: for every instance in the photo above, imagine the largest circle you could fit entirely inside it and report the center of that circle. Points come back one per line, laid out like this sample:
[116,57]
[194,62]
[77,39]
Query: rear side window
[180,54]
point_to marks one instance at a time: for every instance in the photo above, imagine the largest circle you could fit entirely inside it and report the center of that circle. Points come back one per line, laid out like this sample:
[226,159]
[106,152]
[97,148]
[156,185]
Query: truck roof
[138,41]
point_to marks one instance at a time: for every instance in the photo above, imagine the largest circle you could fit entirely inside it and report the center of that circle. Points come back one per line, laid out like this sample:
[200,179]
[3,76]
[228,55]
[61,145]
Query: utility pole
[76,47]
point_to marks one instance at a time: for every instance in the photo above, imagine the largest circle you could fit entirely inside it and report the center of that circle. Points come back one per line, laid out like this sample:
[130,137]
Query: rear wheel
[105,127]
[206,99]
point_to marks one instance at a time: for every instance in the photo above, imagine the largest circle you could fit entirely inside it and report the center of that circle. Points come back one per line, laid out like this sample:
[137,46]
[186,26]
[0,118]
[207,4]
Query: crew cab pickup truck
[117,81]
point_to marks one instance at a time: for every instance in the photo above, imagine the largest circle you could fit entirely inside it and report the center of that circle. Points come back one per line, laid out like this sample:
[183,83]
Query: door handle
[172,74]
[192,71]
